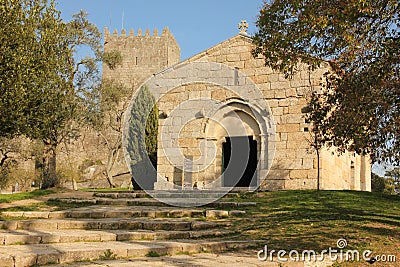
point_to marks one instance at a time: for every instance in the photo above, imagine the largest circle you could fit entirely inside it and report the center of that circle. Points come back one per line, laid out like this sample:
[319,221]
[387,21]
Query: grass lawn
[302,220]
[307,220]
[8,198]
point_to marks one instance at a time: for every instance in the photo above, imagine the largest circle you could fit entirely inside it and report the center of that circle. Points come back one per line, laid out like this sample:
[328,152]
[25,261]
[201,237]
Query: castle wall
[142,55]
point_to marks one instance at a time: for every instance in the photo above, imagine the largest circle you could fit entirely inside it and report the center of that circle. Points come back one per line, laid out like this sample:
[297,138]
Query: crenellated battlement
[165,33]
[143,54]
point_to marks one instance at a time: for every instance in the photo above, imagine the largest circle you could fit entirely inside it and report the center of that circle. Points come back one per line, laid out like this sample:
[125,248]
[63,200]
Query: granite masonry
[223,95]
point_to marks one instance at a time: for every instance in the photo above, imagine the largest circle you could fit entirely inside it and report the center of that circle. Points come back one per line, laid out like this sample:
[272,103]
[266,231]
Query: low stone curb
[91,212]
[22,237]
[154,202]
[28,255]
[108,224]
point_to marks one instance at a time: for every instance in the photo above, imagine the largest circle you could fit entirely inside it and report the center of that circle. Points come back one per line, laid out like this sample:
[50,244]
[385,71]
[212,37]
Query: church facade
[226,120]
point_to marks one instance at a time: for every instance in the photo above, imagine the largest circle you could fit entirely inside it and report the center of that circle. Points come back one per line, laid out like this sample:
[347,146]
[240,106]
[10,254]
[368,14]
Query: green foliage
[394,174]
[381,184]
[151,132]
[361,41]
[112,58]
[45,88]
[142,136]
[108,255]
[377,183]
[152,254]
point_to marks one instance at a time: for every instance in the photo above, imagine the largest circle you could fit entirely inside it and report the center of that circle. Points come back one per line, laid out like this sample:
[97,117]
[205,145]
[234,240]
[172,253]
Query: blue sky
[196,24]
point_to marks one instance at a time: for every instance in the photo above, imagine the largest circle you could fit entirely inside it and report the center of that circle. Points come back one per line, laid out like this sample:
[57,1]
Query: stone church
[226,120]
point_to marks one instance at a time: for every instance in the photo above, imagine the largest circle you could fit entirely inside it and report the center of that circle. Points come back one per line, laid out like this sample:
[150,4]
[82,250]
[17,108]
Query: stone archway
[244,147]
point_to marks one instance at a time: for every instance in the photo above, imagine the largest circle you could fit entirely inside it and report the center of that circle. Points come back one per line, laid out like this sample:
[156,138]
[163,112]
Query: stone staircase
[114,227]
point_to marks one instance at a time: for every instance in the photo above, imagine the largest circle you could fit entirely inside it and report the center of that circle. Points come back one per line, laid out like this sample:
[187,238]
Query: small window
[236,76]
[305,129]
[137,60]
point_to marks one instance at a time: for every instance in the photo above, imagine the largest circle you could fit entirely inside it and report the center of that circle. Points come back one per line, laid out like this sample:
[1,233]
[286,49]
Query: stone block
[298,174]
[124,236]
[72,224]
[51,238]
[165,225]
[217,213]
[288,102]
[214,246]
[295,83]
[11,239]
[280,85]
[37,225]
[24,259]
[277,174]
[297,145]
[12,213]
[6,261]
[140,250]
[245,56]
[273,103]
[279,94]
[288,128]
[291,92]
[202,225]
[308,163]
[58,214]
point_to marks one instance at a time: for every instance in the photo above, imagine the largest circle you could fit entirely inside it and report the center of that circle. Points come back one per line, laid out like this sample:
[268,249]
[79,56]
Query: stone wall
[142,55]
[294,165]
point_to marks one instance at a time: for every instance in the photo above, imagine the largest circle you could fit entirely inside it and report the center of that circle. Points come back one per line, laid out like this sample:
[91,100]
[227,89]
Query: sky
[196,24]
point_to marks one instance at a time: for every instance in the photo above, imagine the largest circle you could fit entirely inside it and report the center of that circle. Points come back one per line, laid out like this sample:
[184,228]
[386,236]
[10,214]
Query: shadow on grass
[311,220]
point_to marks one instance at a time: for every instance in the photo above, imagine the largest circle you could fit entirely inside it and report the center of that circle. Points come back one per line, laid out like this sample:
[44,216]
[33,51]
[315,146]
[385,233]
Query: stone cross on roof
[243,26]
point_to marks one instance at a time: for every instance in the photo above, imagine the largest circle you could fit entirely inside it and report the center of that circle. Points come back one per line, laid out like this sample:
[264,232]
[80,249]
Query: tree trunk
[110,164]
[318,171]
[49,175]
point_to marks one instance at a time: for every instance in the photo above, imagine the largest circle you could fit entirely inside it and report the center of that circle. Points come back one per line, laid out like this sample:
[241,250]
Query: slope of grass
[308,220]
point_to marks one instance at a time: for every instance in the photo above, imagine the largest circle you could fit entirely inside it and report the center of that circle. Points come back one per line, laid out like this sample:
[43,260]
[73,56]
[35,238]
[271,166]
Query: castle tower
[142,55]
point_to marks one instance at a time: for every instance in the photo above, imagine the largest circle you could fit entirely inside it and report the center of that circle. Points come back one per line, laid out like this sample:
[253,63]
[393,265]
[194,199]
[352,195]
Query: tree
[316,140]
[381,184]
[360,40]
[46,87]
[113,101]
[142,137]
[394,174]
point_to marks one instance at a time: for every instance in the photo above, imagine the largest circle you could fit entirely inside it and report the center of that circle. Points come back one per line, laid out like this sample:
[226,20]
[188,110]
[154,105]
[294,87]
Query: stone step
[122,212]
[158,203]
[41,254]
[122,194]
[165,194]
[109,224]
[246,258]
[22,237]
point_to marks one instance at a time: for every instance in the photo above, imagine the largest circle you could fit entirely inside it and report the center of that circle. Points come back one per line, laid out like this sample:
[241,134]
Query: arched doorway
[239,146]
